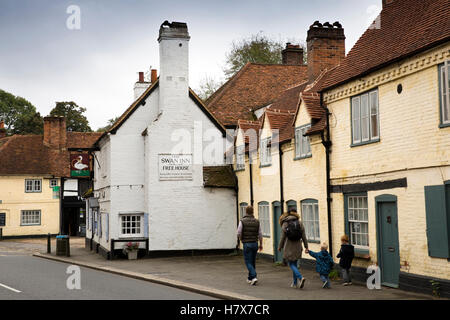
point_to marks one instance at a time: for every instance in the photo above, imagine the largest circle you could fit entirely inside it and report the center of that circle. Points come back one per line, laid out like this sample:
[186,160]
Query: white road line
[9,288]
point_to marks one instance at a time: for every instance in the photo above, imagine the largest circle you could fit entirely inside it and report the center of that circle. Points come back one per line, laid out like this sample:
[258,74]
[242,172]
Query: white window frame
[302,143]
[265,152]
[33,185]
[358,215]
[361,117]
[264,218]
[242,207]
[310,224]
[123,221]
[444,91]
[53,183]
[30,217]
[240,158]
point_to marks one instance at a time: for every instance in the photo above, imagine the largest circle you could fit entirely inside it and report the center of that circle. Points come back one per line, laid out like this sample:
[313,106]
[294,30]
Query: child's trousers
[346,275]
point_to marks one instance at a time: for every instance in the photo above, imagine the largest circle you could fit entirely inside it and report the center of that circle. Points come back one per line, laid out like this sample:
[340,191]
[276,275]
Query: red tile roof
[282,121]
[407,27]
[27,154]
[253,87]
[219,176]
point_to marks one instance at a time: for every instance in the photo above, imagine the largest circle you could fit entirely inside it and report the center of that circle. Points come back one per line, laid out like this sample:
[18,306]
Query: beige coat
[292,250]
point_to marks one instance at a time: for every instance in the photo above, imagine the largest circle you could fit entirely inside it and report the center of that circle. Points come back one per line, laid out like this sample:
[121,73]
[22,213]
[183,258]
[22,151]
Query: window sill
[304,157]
[444,125]
[313,241]
[265,165]
[238,170]
[362,254]
[364,143]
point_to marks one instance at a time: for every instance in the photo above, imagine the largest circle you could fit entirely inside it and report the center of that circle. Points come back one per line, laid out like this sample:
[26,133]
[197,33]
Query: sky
[45,56]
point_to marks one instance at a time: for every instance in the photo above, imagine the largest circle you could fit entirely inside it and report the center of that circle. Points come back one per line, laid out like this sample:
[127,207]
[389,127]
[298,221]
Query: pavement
[219,276]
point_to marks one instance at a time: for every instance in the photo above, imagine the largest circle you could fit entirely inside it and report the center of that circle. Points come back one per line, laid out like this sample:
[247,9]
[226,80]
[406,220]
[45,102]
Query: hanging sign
[175,167]
[79,165]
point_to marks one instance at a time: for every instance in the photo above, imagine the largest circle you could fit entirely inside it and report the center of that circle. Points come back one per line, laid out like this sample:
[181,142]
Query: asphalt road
[23,277]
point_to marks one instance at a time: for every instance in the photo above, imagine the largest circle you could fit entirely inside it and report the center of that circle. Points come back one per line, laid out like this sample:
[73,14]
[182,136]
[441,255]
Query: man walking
[249,232]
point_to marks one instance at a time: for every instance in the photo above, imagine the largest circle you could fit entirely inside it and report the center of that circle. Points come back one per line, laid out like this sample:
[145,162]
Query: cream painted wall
[411,146]
[14,199]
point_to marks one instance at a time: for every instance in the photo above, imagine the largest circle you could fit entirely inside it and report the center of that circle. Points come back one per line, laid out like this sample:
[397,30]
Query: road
[23,277]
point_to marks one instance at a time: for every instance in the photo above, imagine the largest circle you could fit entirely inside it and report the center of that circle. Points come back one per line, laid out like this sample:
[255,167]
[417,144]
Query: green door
[389,257]
[277,256]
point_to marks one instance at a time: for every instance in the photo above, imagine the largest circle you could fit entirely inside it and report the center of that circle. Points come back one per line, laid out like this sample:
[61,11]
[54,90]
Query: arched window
[264,218]
[291,204]
[242,207]
[310,219]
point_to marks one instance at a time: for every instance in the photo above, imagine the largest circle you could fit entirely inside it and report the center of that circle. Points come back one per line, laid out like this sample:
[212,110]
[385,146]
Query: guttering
[280,153]
[326,141]
[251,176]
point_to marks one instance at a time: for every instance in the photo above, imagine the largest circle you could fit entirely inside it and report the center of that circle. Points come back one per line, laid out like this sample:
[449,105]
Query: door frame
[275,227]
[385,198]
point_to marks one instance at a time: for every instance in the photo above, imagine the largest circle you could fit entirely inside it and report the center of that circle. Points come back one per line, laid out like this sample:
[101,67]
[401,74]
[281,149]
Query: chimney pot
[154,75]
[141,76]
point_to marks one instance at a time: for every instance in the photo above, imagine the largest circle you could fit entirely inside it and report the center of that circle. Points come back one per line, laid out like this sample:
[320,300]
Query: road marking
[9,288]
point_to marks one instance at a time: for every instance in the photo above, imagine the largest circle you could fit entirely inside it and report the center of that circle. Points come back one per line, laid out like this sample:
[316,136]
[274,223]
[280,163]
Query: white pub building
[160,178]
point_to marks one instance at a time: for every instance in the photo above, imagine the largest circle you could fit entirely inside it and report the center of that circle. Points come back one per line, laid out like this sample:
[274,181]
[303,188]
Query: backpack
[293,230]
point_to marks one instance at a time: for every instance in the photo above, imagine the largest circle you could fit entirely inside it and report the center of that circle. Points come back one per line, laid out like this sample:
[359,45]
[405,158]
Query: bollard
[68,246]
[1,233]
[49,244]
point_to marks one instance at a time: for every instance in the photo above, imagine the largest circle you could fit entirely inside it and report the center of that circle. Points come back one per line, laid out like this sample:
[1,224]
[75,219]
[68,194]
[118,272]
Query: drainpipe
[326,141]
[281,177]
[61,207]
[251,177]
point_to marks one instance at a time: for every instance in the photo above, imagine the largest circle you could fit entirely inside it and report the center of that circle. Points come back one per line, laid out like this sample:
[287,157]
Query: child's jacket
[324,262]
[347,253]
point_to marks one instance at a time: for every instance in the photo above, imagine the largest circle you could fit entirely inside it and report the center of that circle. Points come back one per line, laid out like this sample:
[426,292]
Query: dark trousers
[250,251]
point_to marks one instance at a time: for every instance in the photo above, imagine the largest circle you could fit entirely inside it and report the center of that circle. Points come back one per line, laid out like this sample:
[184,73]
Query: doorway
[387,239]
[277,255]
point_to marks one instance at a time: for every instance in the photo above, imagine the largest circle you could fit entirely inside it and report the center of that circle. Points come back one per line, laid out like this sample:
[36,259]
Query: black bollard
[49,244]
[1,233]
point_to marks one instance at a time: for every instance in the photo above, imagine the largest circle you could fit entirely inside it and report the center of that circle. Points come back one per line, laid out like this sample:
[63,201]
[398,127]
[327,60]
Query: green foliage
[19,115]
[109,125]
[334,274]
[75,119]
[436,287]
[208,85]
[257,49]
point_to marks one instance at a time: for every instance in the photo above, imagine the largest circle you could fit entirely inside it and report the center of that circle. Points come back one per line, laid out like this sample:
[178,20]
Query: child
[324,263]
[346,255]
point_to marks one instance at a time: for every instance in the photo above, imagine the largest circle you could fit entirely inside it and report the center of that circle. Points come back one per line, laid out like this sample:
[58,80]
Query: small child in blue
[324,263]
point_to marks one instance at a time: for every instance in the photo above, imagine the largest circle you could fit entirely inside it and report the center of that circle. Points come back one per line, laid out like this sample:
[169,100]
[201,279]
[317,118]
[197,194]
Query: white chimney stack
[174,66]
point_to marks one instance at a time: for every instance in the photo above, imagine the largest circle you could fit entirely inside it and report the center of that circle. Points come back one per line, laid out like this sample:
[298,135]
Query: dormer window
[265,154]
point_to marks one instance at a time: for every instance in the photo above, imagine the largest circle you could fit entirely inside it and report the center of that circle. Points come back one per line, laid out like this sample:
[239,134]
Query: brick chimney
[385,2]
[55,132]
[292,54]
[154,76]
[140,86]
[325,47]
[2,129]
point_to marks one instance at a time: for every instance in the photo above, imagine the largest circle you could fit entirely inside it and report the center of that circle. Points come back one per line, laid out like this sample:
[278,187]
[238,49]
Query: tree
[19,115]
[208,85]
[257,48]
[75,119]
[109,125]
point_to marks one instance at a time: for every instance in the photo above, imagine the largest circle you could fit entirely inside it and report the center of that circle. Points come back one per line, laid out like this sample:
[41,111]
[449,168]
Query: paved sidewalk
[222,276]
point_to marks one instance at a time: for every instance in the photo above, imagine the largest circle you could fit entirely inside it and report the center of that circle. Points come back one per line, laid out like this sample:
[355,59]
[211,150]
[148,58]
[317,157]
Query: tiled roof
[406,27]
[219,176]
[27,154]
[253,87]
[281,120]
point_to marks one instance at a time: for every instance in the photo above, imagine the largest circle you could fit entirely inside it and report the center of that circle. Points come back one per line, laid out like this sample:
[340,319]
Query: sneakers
[325,285]
[249,281]
[253,282]
[294,285]
[302,283]
[347,284]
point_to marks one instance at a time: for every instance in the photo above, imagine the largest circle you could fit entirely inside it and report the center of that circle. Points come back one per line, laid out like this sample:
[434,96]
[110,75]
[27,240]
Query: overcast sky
[96,66]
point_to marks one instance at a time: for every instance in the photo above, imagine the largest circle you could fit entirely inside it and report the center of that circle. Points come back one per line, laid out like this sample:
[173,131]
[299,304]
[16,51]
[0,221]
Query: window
[53,183]
[310,218]
[291,204]
[444,92]
[264,218]
[265,154]
[242,207]
[240,158]
[358,221]
[365,119]
[302,145]
[2,219]
[130,225]
[33,185]
[30,217]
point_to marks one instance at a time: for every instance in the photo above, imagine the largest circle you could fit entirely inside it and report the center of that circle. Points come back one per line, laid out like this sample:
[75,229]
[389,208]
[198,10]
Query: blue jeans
[250,251]
[324,277]
[295,272]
